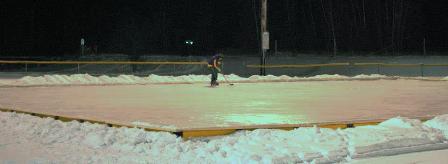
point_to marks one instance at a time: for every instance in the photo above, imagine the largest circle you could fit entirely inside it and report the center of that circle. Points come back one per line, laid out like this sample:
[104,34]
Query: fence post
[174,69]
[26,67]
[378,69]
[78,68]
[350,68]
[421,70]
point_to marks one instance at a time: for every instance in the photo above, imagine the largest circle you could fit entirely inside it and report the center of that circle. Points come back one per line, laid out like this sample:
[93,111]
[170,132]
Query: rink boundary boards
[206,132]
[205,63]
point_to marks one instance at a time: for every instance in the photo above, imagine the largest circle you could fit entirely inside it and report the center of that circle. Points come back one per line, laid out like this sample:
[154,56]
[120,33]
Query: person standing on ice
[214,65]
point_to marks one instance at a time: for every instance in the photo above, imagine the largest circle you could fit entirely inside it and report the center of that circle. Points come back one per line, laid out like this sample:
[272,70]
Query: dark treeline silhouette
[161,26]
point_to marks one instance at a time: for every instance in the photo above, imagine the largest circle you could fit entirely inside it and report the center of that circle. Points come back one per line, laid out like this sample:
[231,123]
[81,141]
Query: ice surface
[193,106]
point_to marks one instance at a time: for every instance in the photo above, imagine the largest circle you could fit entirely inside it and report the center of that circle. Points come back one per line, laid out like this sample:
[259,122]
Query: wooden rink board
[193,110]
[192,133]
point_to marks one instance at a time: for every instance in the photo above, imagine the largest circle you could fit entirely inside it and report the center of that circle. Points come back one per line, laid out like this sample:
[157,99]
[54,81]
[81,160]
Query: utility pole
[264,36]
[82,46]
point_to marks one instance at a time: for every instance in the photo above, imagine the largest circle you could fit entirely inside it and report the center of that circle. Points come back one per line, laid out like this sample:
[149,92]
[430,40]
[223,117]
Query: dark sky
[154,26]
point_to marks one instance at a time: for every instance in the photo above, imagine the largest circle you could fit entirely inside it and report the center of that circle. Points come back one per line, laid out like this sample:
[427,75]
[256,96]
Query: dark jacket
[214,61]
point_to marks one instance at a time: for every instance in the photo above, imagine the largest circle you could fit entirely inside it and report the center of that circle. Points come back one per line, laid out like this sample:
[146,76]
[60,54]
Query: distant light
[189,42]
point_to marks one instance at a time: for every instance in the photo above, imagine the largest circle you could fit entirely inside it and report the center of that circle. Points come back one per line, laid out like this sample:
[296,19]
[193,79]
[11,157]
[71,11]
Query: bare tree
[330,24]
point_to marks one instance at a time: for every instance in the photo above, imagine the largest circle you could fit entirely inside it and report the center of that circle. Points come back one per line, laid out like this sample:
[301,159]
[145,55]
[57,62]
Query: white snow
[29,139]
[371,77]
[440,123]
[396,133]
[86,79]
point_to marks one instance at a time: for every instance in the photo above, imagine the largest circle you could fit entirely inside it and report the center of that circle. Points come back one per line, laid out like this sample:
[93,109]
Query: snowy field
[29,139]
[86,79]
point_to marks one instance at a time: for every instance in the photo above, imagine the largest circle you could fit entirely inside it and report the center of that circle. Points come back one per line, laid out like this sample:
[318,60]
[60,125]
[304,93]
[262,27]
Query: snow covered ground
[86,79]
[29,139]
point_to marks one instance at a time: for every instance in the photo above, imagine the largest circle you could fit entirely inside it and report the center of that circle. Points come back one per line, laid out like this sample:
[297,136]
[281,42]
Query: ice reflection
[248,119]
[258,103]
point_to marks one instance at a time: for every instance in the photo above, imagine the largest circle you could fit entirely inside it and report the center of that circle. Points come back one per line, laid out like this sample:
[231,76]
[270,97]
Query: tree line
[161,26]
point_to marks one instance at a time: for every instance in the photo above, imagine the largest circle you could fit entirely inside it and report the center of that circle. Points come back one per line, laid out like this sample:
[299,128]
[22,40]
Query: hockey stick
[225,78]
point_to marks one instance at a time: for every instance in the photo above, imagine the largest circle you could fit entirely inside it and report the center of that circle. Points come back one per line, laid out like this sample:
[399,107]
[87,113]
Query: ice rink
[175,107]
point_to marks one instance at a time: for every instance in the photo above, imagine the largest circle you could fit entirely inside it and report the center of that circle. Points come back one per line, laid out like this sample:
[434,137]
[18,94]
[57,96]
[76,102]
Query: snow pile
[296,146]
[86,79]
[285,78]
[371,77]
[445,78]
[329,77]
[29,139]
[394,136]
[440,123]
[269,78]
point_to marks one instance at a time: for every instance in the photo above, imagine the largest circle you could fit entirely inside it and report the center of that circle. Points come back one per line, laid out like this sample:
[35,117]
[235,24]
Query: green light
[189,42]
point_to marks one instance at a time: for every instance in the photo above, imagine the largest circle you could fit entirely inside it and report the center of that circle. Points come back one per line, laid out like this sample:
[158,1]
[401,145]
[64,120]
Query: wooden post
[378,69]
[82,46]
[421,70]
[174,69]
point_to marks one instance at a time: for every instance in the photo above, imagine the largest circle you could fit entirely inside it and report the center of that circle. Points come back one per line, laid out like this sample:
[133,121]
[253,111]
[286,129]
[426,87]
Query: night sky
[55,27]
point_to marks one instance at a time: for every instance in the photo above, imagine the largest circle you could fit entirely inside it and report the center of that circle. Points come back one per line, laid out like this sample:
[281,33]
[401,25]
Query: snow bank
[371,77]
[86,79]
[29,139]
[394,134]
[440,123]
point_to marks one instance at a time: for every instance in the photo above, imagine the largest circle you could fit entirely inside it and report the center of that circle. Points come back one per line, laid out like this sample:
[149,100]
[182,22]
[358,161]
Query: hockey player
[214,65]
